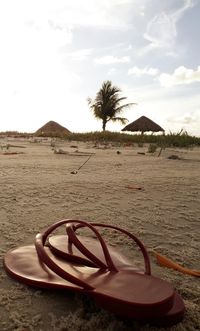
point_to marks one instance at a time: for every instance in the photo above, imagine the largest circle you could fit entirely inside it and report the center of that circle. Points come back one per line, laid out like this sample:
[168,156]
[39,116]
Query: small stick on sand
[76,171]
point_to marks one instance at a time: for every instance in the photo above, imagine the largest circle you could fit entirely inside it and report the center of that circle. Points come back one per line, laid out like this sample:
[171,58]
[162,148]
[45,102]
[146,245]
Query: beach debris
[128,145]
[174,157]
[75,153]
[118,152]
[160,151]
[60,151]
[16,146]
[74,172]
[7,146]
[4,146]
[141,153]
[164,261]
[133,187]
[79,153]
[12,153]
[53,143]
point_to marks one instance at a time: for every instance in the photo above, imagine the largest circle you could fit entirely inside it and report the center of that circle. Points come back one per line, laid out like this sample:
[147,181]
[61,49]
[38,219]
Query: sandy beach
[38,189]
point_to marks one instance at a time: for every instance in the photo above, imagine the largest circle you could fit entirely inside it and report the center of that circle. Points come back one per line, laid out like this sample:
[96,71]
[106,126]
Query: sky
[54,54]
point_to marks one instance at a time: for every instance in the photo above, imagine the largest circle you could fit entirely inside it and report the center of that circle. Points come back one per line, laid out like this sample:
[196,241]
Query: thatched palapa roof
[143,124]
[51,129]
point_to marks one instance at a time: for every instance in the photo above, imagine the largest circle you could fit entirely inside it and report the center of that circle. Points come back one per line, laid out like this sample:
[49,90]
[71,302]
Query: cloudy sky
[56,53]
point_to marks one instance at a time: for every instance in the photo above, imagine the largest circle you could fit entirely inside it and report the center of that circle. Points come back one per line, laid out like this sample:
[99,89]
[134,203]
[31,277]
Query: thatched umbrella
[143,124]
[51,129]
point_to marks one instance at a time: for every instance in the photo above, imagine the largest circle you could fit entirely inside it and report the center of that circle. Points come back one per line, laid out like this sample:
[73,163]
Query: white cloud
[96,13]
[187,4]
[80,55]
[186,118]
[180,76]
[109,59]
[112,71]
[161,31]
[186,121]
[144,71]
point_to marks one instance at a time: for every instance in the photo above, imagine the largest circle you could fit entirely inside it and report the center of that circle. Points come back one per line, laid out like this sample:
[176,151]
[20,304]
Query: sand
[38,188]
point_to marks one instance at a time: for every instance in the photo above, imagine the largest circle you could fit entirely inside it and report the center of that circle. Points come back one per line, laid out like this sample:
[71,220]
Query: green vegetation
[181,139]
[15,134]
[107,104]
[152,148]
[175,140]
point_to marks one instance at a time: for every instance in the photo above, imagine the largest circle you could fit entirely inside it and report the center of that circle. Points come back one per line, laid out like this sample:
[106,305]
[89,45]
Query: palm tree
[107,104]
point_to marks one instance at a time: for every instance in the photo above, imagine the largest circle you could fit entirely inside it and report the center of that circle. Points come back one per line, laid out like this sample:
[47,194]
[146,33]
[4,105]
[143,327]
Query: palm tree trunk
[104,124]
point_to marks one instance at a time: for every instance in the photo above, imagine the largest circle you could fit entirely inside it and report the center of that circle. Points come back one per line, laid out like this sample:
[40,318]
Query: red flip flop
[77,248]
[123,292]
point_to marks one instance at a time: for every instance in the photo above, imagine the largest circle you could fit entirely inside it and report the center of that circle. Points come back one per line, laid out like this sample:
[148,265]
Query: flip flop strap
[46,259]
[40,241]
[76,242]
[110,264]
[73,238]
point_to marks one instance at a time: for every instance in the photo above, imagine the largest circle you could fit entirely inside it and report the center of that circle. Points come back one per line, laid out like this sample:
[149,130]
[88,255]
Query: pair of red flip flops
[88,265]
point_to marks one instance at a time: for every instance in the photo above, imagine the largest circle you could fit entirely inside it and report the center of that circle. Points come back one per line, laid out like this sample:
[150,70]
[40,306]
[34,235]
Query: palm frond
[107,103]
[123,107]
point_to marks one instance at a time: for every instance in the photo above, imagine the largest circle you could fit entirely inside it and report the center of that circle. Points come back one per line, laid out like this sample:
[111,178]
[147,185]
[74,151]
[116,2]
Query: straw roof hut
[51,129]
[143,124]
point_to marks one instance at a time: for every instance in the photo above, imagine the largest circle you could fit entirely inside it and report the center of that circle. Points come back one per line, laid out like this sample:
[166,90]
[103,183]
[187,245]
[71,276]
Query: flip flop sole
[23,265]
[126,293]
[173,316]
